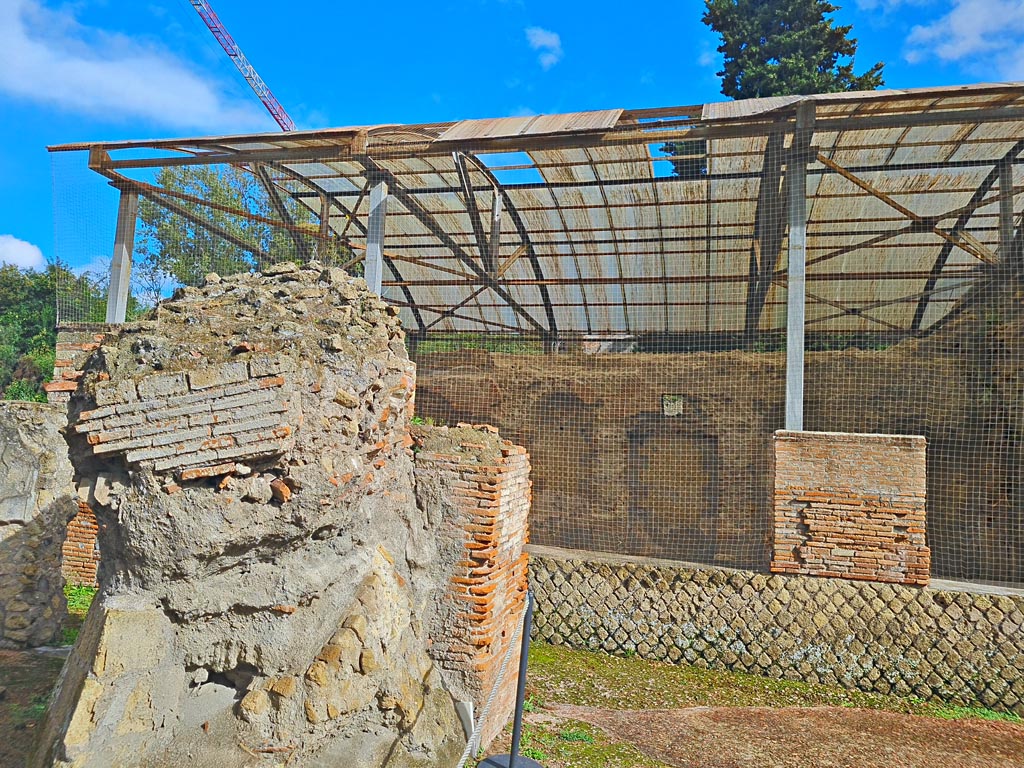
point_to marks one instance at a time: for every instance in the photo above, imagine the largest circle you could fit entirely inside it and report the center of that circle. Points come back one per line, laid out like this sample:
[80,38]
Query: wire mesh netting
[192,220]
[611,290]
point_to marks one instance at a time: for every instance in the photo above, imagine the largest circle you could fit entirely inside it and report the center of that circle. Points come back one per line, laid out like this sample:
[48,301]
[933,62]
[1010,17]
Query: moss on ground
[580,745]
[594,679]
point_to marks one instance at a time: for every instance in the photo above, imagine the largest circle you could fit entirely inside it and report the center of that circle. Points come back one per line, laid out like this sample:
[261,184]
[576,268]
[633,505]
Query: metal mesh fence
[617,302]
[85,214]
[191,220]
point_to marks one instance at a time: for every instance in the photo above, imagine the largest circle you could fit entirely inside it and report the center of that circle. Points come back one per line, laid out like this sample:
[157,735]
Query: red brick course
[850,506]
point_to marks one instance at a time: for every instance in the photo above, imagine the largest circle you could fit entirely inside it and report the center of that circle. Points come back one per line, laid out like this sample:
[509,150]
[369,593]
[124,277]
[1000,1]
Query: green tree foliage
[776,48]
[782,47]
[28,320]
[175,249]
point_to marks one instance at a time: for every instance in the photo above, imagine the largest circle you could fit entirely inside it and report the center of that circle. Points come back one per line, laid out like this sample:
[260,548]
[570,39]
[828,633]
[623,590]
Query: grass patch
[509,345]
[951,712]
[580,745]
[29,715]
[558,675]
[79,599]
[595,679]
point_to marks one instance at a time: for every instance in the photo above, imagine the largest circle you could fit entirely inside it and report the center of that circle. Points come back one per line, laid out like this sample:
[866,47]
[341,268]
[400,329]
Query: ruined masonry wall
[484,497]
[267,577]
[74,345]
[80,551]
[943,645]
[850,506]
[35,506]
[194,424]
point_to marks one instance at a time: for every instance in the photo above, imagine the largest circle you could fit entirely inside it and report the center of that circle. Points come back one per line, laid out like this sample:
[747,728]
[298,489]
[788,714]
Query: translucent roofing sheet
[577,224]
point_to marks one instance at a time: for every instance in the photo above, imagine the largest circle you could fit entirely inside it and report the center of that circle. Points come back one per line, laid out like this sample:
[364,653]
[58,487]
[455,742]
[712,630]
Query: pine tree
[781,47]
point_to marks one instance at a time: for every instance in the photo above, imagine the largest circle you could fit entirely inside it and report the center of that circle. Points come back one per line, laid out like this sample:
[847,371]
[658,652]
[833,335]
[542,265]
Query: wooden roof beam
[960,239]
[961,223]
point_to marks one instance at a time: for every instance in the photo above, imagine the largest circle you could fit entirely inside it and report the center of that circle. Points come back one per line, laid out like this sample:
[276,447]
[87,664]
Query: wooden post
[121,264]
[796,169]
[374,269]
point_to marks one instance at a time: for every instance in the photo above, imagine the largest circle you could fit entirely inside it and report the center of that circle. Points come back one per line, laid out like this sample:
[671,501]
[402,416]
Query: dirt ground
[26,679]
[592,710]
[796,737]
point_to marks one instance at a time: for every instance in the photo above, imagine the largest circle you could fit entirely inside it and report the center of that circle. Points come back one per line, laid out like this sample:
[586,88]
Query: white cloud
[548,43]
[47,57]
[707,59]
[97,268]
[888,5]
[987,34]
[20,253]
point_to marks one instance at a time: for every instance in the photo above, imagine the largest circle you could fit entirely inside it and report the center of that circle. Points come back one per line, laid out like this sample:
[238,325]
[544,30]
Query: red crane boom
[209,17]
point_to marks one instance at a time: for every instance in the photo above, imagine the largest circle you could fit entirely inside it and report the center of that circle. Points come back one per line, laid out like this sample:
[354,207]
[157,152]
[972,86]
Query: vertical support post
[494,245]
[796,169]
[374,264]
[121,263]
[513,758]
[1005,207]
[325,218]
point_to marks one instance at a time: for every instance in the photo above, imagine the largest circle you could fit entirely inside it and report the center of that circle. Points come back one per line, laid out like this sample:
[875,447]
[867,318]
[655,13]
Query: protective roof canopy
[580,224]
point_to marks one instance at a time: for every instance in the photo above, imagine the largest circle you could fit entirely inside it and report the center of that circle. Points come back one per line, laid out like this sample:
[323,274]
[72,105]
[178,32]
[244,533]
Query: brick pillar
[81,555]
[485,494]
[851,506]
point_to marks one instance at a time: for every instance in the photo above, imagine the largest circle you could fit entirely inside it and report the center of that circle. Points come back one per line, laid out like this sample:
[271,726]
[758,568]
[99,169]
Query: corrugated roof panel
[542,219]
[859,148]
[622,162]
[500,127]
[609,214]
[416,173]
[943,297]
[565,165]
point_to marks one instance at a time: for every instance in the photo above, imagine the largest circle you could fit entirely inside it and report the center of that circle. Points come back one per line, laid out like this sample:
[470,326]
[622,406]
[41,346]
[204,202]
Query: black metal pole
[513,759]
[524,653]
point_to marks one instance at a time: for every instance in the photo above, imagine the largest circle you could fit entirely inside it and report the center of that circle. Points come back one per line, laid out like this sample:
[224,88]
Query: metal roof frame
[910,201]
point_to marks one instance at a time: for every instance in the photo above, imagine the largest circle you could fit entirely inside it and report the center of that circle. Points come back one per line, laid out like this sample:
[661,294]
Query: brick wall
[74,345]
[482,487]
[80,552]
[194,424]
[957,646]
[850,506]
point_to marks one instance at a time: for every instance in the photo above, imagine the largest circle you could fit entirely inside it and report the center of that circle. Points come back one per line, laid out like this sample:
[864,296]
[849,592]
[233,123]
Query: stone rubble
[267,576]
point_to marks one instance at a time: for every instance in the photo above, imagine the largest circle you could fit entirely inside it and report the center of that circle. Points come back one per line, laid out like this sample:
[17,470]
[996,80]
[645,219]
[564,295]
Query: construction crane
[209,17]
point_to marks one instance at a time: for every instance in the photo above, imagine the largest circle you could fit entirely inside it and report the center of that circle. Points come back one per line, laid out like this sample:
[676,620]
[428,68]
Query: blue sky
[108,69]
